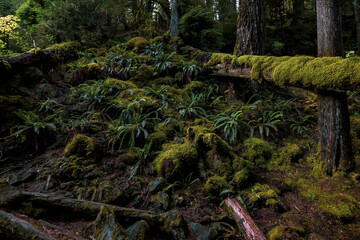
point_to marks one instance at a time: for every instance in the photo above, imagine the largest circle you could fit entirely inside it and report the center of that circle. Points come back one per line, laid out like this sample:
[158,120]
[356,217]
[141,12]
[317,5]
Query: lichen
[215,184]
[81,146]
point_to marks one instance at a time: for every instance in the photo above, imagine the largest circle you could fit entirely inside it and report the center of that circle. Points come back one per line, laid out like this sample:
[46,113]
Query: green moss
[284,156]
[174,224]
[66,46]
[220,58]
[257,151]
[107,227]
[241,177]
[163,81]
[318,171]
[355,133]
[4,66]
[137,43]
[286,232]
[215,185]
[81,146]
[144,74]
[194,86]
[176,160]
[264,196]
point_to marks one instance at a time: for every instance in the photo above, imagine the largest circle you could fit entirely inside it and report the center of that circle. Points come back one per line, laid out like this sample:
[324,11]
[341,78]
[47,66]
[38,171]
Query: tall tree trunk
[334,121]
[357,20]
[251,28]
[174,22]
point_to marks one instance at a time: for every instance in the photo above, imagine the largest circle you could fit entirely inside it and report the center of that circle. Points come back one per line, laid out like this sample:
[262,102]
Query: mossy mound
[264,196]
[72,168]
[286,232]
[137,43]
[81,146]
[106,192]
[174,225]
[176,161]
[215,185]
[91,71]
[257,151]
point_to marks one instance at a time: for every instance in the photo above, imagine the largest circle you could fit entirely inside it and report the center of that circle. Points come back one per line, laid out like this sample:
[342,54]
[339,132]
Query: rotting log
[13,227]
[73,206]
[53,55]
[243,219]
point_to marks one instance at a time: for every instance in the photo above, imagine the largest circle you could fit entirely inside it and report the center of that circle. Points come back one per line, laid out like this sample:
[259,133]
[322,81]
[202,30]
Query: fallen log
[13,227]
[72,206]
[243,219]
[52,55]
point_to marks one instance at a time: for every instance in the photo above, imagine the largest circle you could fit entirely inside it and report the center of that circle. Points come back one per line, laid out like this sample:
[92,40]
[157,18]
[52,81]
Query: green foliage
[29,12]
[231,125]
[192,106]
[163,62]
[199,29]
[266,122]
[299,125]
[189,70]
[10,38]
[34,122]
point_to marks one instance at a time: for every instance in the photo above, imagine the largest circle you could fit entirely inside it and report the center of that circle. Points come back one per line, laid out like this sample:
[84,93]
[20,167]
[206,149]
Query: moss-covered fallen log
[52,55]
[12,227]
[326,73]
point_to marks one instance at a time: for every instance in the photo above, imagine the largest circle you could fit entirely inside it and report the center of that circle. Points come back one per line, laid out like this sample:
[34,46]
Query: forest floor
[133,142]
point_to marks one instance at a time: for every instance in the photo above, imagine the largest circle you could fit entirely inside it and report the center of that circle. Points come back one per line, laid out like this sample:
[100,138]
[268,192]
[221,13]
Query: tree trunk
[334,122]
[251,28]
[357,20]
[334,125]
[174,22]
[329,30]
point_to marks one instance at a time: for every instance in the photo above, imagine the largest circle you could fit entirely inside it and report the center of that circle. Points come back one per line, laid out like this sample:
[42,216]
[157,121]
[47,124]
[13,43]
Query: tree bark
[357,20]
[250,28]
[334,121]
[174,22]
[329,30]
[244,220]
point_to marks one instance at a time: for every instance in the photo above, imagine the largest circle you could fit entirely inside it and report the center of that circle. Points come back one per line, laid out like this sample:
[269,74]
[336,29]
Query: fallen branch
[244,220]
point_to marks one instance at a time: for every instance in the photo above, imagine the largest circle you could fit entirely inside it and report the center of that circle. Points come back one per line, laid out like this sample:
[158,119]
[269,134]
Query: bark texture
[334,125]
[334,122]
[357,20]
[250,28]
[174,22]
[329,30]
[244,220]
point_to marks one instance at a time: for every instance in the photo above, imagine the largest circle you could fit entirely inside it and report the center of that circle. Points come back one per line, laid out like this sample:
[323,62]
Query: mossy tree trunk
[334,121]
[357,20]
[250,28]
[174,23]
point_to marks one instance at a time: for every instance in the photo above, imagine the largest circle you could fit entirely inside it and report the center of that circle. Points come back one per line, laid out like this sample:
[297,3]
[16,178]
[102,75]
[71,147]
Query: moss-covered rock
[215,185]
[144,74]
[81,146]
[107,227]
[137,43]
[176,160]
[174,225]
[72,168]
[258,151]
[106,192]
[160,202]
[91,71]
[138,231]
[264,196]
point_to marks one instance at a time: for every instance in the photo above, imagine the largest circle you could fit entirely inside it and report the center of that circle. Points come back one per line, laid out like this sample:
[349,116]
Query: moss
[355,133]
[220,58]
[258,151]
[160,201]
[66,46]
[264,196]
[194,86]
[81,146]
[163,81]
[284,156]
[286,232]
[174,224]
[107,227]
[162,134]
[241,177]
[176,160]
[106,192]
[318,171]
[4,66]
[215,184]
[137,43]
[144,74]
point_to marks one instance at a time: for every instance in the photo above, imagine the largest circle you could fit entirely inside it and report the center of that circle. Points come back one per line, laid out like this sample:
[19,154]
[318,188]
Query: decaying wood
[13,227]
[73,206]
[244,220]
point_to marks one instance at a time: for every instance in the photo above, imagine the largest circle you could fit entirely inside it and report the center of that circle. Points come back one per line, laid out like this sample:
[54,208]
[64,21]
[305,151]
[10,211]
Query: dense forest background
[209,25]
